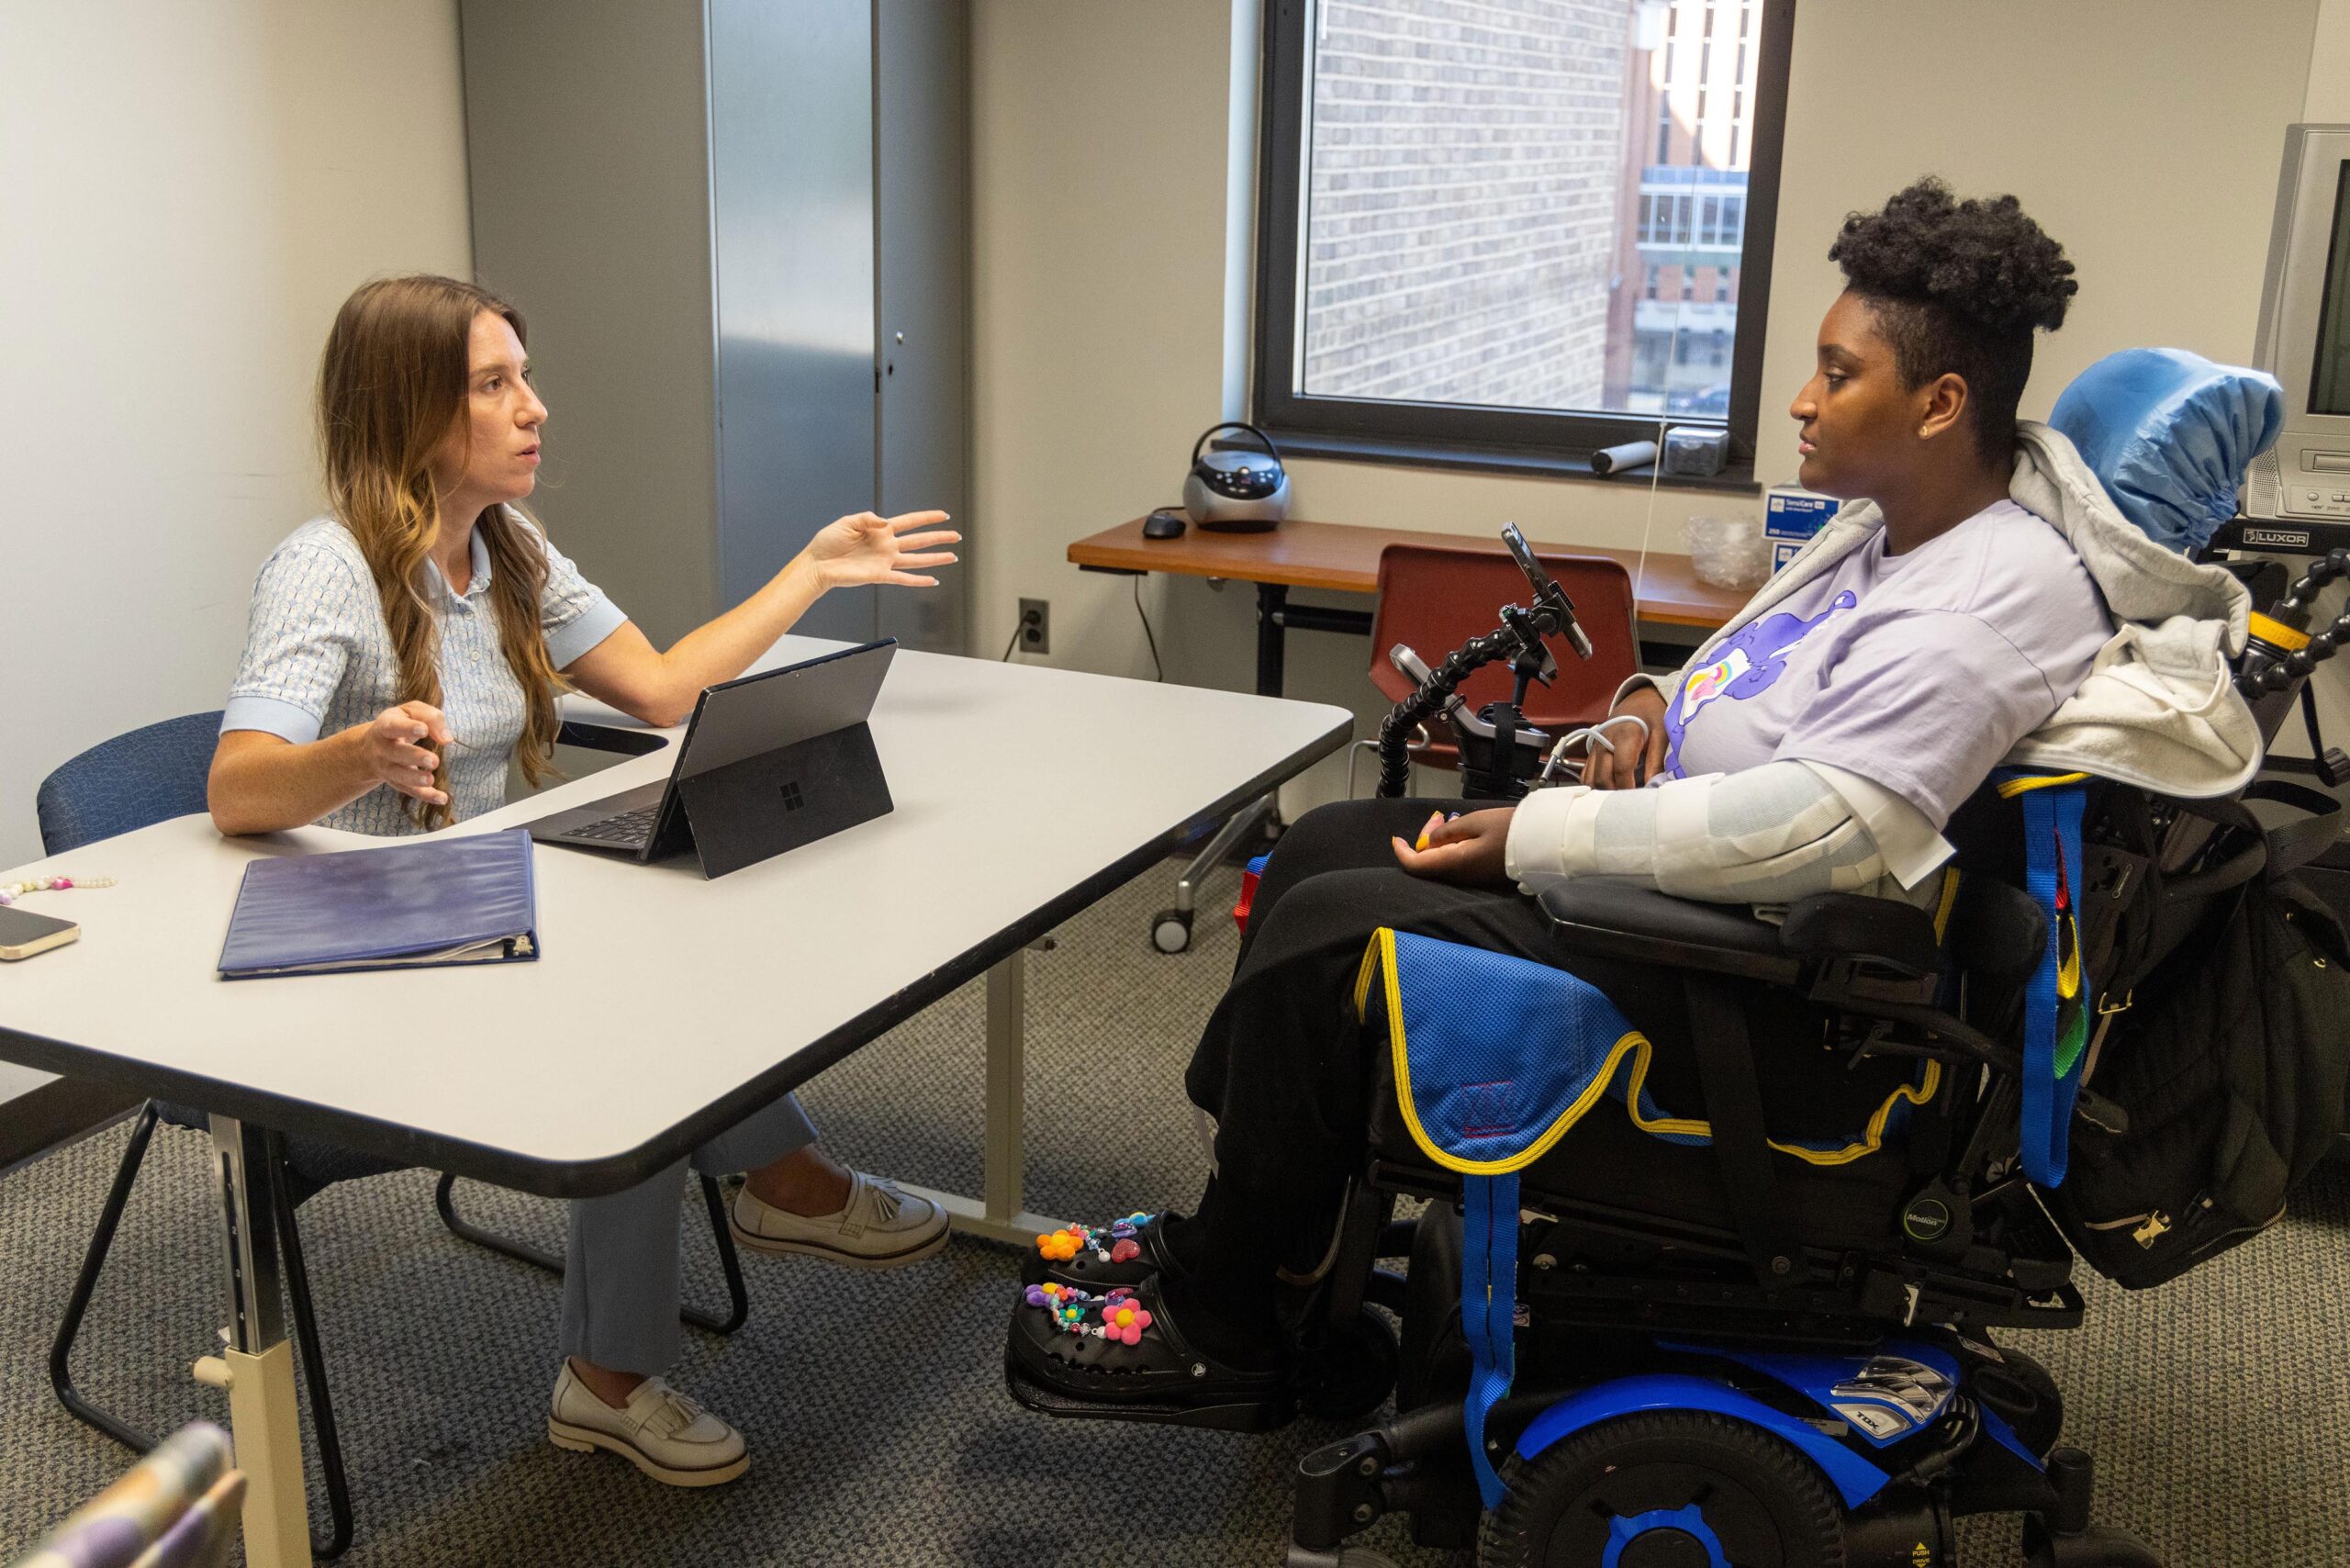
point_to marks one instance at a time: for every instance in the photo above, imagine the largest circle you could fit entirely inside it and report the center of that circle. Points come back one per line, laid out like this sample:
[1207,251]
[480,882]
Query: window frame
[1472,435]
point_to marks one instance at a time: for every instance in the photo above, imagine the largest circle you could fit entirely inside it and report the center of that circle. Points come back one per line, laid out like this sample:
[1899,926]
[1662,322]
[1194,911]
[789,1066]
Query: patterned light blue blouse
[319,660]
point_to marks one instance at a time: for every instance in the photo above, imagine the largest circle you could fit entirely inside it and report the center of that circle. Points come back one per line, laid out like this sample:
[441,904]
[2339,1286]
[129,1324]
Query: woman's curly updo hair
[1958,287]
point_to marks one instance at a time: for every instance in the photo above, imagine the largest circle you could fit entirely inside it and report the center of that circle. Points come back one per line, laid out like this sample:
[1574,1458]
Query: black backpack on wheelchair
[1722,1356]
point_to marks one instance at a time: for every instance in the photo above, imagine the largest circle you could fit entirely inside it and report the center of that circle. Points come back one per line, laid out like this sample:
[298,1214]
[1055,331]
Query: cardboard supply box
[1790,517]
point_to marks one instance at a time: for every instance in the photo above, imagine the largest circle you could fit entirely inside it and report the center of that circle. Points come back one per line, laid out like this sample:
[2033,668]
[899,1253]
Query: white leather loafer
[661,1432]
[881,1227]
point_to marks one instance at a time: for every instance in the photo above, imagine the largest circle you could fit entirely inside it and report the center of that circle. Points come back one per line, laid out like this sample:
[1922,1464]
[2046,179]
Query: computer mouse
[1164,523]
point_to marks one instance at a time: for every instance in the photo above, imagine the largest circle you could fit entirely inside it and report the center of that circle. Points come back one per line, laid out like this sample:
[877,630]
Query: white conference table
[664,1008]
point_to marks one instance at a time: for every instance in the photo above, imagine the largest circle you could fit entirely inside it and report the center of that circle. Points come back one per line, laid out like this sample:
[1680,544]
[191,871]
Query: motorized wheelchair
[1725,1357]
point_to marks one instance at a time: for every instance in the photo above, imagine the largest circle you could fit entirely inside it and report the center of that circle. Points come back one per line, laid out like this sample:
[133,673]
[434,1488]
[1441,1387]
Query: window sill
[1737,478]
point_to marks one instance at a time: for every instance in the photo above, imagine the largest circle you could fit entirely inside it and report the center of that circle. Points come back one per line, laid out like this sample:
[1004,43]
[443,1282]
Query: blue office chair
[151,775]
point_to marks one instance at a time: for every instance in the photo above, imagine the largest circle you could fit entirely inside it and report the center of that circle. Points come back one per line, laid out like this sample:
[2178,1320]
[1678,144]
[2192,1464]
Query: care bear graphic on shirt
[1746,663]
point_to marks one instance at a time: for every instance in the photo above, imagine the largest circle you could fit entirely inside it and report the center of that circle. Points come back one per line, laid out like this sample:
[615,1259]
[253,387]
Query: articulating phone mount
[1501,753]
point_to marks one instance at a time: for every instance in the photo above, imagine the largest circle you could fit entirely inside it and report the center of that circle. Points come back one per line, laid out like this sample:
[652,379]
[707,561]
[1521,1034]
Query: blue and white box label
[1790,517]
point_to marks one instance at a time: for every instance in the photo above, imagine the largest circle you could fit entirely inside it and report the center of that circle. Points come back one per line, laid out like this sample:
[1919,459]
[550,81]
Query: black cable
[1016,630]
[1159,669]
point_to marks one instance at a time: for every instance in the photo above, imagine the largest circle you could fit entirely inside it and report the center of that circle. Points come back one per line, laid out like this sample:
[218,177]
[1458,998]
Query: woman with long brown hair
[407,647]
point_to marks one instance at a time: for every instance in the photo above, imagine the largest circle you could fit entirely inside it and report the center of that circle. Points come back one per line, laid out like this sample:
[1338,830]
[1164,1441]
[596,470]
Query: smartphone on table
[23,933]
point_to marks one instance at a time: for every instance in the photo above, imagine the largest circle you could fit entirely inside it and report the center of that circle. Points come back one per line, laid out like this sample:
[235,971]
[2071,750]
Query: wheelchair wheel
[1664,1489]
[1347,1372]
[2019,1389]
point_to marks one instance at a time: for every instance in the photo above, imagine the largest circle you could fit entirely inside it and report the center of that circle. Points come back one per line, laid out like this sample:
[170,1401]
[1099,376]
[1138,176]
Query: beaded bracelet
[11,892]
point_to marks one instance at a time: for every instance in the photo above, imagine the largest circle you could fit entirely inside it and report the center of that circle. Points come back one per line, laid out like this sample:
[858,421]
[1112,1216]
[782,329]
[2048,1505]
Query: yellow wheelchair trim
[1379,967]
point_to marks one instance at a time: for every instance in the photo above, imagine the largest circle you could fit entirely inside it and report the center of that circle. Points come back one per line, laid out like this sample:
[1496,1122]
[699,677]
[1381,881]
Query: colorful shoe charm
[1114,1243]
[1116,1316]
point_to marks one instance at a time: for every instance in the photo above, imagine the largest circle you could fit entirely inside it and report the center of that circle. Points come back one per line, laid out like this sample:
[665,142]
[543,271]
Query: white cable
[1656,474]
[1591,736]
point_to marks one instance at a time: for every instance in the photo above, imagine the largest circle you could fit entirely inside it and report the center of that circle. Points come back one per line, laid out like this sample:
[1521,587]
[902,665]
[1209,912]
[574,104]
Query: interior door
[922,54]
[791,184]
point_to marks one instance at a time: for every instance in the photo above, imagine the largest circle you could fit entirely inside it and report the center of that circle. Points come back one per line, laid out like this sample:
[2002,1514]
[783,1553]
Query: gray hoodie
[2158,709]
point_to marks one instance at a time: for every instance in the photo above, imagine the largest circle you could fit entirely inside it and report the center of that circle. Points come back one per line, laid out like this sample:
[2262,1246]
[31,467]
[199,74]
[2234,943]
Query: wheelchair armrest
[1995,931]
[1879,932]
[1845,931]
[1595,915]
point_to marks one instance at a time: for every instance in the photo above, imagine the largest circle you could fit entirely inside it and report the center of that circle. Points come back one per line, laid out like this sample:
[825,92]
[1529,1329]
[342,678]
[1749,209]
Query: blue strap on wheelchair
[1488,1310]
[2056,1034]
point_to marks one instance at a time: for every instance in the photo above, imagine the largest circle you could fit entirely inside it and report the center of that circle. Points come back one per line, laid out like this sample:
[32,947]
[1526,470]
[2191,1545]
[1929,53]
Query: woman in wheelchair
[1821,744]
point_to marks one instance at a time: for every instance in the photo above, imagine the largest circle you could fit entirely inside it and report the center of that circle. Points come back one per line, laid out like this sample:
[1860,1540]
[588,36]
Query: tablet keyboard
[628,830]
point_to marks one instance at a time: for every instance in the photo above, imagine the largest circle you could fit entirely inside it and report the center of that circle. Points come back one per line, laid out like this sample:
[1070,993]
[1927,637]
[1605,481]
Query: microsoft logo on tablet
[792,801]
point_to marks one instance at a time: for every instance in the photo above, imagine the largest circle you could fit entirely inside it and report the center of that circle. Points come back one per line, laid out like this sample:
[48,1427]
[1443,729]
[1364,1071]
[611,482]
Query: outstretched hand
[865,548]
[1471,850]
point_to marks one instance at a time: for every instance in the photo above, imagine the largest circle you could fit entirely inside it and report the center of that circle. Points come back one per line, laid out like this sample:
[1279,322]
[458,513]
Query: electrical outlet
[1035,626]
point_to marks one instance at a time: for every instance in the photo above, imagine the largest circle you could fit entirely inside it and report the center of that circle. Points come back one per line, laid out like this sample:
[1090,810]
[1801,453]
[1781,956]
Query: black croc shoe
[1122,1348]
[1096,1259]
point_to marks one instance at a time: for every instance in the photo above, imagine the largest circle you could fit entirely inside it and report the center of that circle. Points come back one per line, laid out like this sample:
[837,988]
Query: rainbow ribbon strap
[2055,1001]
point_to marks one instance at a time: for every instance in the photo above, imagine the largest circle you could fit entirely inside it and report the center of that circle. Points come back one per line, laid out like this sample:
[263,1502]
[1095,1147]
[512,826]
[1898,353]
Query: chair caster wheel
[1170,930]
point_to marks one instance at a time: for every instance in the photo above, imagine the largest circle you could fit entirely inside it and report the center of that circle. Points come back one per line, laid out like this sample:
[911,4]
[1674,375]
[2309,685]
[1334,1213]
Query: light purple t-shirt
[1918,671]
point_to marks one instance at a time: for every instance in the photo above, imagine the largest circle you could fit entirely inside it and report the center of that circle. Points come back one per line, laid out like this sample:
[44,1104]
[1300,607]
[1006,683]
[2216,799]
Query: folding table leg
[999,1216]
[257,1365]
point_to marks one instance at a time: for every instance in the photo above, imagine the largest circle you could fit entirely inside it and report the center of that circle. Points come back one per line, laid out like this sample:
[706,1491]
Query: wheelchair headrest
[2170,435]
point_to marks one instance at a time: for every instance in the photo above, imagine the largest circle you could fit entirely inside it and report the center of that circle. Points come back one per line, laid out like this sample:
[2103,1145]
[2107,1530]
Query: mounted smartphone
[23,933]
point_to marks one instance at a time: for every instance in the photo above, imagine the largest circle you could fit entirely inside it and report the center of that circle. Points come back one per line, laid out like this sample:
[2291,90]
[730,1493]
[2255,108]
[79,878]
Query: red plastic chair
[1434,599]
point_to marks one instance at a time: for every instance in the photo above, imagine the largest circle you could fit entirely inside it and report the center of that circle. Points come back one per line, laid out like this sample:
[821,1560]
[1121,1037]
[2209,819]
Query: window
[1460,261]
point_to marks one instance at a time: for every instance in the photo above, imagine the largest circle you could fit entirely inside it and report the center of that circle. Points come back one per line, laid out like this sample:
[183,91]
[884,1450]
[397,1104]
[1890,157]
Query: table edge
[612,1174]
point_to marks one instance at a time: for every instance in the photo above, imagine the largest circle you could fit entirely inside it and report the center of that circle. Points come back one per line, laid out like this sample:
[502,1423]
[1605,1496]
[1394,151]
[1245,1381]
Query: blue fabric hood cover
[2169,434]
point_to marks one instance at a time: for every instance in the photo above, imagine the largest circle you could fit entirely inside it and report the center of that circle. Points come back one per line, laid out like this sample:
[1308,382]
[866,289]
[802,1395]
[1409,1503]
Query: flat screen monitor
[2304,338]
[2330,377]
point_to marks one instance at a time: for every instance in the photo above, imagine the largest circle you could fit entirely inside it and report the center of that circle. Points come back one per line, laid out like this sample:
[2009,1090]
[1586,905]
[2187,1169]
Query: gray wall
[588,143]
[921,137]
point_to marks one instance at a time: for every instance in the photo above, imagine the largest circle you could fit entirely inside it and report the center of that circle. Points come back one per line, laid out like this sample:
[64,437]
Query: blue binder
[432,902]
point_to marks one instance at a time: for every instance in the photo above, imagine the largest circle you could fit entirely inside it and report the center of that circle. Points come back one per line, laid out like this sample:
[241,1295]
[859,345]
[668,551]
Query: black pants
[1288,1071]
[1284,1066]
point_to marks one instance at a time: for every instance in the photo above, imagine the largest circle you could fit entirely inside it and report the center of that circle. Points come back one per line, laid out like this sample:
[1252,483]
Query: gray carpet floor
[2219,1408]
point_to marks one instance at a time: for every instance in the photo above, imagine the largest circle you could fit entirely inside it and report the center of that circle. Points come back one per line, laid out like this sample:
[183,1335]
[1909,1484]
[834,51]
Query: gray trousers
[620,1293]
